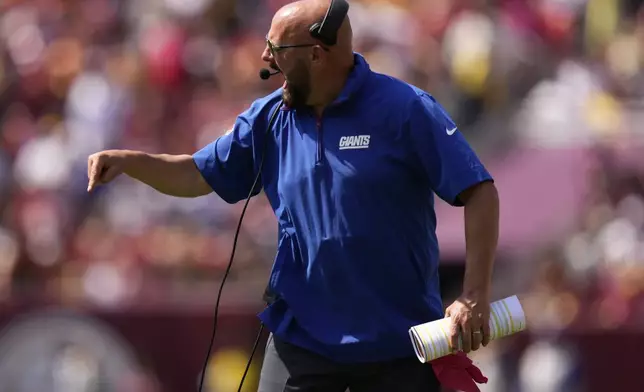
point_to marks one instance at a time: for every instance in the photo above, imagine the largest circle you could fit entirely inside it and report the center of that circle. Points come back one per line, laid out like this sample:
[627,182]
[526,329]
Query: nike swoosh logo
[450,132]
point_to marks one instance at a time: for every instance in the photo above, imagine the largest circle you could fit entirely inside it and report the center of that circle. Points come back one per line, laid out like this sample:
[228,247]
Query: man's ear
[318,55]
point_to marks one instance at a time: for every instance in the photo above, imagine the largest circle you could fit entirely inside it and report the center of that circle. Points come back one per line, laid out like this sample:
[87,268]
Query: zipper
[320,152]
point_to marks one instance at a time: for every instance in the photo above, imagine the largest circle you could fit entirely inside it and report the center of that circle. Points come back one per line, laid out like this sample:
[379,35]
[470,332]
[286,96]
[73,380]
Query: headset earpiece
[326,31]
[315,30]
[315,33]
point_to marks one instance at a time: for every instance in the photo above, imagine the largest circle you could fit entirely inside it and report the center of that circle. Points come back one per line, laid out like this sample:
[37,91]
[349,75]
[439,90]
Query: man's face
[291,58]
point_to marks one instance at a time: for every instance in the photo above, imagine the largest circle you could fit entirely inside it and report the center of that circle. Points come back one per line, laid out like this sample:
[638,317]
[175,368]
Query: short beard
[297,91]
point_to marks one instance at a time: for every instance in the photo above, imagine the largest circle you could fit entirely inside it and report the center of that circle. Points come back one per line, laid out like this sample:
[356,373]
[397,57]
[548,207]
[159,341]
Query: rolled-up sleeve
[445,157]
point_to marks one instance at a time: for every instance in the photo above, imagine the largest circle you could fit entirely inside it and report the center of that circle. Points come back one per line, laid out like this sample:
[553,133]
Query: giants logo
[354,142]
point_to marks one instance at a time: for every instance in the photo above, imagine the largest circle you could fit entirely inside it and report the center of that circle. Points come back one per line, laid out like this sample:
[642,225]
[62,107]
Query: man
[350,169]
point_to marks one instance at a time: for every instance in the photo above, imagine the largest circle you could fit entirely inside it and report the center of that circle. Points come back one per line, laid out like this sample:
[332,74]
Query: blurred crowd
[170,76]
[588,283]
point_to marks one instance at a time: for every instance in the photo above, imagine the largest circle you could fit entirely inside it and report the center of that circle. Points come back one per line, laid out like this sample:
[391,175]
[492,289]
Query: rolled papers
[431,340]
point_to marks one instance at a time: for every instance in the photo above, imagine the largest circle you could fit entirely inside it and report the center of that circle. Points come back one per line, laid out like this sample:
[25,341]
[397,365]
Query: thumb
[109,174]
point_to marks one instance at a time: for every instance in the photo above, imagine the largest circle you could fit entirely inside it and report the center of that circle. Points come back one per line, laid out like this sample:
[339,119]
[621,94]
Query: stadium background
[114,291]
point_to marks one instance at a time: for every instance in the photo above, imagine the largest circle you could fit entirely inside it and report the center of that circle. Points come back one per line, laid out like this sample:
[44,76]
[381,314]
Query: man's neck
[328,90]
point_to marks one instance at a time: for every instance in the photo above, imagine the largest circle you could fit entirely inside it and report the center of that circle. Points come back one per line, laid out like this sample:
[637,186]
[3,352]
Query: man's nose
[267,55]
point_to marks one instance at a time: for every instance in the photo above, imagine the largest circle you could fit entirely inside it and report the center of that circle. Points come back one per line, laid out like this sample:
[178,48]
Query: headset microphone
[266,73]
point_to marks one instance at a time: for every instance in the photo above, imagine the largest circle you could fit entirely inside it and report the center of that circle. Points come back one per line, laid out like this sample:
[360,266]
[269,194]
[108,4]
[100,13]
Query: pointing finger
[90,185]
[90,163]
[95,169]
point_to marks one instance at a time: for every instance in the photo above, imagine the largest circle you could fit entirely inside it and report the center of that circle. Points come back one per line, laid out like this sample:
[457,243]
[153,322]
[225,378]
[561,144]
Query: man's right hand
[174,175]
[103,167]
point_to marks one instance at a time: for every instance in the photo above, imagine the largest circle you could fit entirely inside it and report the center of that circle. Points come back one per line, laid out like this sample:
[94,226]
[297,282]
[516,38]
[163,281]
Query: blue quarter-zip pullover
[357,260]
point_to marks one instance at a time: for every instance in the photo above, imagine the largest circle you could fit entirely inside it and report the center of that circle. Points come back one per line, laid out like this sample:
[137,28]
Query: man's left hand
[471,321]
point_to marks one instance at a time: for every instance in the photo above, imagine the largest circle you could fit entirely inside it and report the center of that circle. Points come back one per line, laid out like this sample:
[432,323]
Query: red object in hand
[458,372]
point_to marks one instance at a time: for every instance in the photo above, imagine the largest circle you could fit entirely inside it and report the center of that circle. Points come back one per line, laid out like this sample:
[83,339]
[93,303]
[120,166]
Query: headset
[325,31]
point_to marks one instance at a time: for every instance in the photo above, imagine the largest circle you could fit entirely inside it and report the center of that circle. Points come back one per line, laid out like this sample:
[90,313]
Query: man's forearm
[481,238]
[174,175]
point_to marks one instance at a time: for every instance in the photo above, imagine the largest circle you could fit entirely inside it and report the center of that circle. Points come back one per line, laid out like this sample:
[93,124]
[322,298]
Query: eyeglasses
[276,48]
